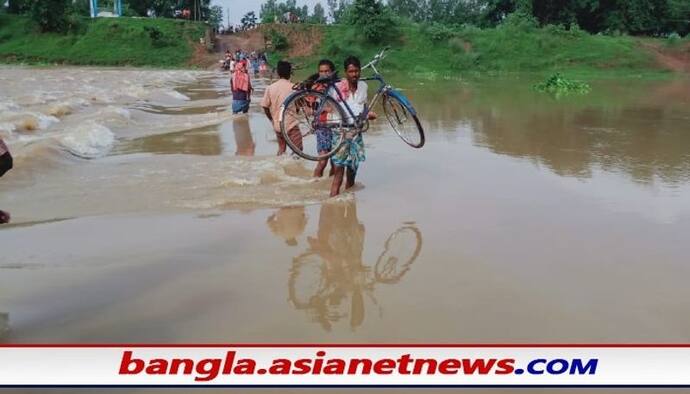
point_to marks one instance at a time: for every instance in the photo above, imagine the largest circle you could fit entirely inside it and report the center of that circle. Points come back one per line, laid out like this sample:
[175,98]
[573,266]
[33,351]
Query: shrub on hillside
[560,30]
[278,40]
[519,21]
[158,38]
[673,38]
[51,15]
[438,32]
[374,20]
[344,44]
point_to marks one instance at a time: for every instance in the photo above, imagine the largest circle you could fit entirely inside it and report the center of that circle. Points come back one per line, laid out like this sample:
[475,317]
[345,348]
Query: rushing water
[143,211]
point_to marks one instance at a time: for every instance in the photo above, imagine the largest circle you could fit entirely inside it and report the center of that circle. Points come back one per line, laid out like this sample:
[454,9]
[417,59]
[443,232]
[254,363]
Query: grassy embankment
[103,41]
[420,52]
[435,53]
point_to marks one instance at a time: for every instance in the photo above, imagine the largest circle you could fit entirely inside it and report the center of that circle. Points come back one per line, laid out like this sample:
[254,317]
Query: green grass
[102,41]
[464,52]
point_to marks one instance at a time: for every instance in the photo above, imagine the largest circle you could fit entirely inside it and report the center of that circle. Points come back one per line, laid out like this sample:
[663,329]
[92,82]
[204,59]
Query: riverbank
[440,53]
[166,43]
[424,52]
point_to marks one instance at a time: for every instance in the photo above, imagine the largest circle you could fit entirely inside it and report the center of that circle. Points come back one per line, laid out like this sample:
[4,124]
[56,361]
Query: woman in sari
[241,87]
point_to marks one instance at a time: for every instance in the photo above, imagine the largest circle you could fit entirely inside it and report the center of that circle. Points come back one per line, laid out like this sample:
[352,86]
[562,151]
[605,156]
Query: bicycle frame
[382,89]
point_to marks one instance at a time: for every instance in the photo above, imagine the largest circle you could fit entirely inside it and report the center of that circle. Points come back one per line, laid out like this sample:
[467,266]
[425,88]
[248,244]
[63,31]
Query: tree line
[648,17]
[63,15]
[637,17]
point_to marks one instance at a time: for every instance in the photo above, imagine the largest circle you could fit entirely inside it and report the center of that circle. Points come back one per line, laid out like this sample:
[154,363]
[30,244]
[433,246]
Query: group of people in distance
[345,163]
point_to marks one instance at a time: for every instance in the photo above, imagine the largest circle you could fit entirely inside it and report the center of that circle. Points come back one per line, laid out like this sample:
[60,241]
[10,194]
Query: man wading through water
[349,157]
[274,97]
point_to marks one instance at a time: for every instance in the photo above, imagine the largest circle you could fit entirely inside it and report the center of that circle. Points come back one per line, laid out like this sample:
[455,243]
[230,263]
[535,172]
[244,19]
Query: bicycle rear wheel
[404,122]
[312,125]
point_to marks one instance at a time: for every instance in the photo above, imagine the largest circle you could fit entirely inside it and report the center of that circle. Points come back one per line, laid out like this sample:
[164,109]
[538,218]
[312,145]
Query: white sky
[240,7]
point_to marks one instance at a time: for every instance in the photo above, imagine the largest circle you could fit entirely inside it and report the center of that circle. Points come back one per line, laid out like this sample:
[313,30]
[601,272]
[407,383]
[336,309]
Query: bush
[81,7]
[438,32]
[76,23]
[519,21]
[278,40]
[674,38]
[374,20]
[560,86]
[51,15]
[18,6]
[158,39]
[575,30]
[561,30]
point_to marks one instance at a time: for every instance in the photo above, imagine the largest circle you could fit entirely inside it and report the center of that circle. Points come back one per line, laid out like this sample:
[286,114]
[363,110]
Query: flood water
[143,211]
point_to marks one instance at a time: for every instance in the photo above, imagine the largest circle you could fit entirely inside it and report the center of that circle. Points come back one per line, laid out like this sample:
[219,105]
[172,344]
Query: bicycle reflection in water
[331,282]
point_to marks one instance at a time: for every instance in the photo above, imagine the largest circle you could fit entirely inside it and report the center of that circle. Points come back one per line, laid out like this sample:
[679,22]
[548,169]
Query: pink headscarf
[240,79]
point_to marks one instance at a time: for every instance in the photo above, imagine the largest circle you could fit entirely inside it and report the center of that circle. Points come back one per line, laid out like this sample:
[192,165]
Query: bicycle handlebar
[380,56]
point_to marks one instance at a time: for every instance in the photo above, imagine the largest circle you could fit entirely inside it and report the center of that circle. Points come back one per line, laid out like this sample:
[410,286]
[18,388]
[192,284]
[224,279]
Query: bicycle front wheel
[400,250]
[312,125]
[403,120]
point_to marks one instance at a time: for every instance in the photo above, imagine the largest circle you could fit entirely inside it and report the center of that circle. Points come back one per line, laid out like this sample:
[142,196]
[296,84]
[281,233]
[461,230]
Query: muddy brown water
[525,218]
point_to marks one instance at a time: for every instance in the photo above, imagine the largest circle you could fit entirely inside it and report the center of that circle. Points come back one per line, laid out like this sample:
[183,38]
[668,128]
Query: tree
[337,9]
[18,6]
[495,11]
[407,8]
[373,19]
[141,7]
[50,15]
[268,11]
[248,21]
[679,17]
[215,16]
[319,14]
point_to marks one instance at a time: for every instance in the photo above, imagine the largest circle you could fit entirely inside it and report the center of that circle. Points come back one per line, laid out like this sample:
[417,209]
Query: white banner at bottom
[345,365]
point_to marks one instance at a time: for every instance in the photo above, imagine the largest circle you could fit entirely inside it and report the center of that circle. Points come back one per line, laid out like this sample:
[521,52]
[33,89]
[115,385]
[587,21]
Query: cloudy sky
[240,7]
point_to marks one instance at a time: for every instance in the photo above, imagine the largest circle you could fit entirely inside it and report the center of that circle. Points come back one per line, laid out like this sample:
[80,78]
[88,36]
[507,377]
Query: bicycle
[318,115]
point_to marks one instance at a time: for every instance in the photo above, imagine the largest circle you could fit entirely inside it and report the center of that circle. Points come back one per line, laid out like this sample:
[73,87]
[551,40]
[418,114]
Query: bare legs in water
[338,179]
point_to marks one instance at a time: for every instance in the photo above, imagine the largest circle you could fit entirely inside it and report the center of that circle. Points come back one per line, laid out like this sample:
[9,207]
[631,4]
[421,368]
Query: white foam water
[89,140]
[177,95]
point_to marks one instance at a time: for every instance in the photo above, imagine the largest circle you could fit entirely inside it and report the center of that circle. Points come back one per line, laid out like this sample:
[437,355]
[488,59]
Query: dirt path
[672,58]
[304,39]
[248,41]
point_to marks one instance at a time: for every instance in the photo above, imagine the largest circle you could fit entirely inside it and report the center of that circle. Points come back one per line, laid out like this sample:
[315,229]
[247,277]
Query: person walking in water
[241,86]
[324,135]
[351,155]
[275,95]
[5,165]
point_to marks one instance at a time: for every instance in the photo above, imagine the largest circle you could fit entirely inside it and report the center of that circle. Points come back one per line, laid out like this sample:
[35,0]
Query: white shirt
[355,101]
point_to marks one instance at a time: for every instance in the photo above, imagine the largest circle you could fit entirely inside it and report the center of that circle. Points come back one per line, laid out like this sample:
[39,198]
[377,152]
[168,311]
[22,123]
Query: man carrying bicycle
[354,94]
